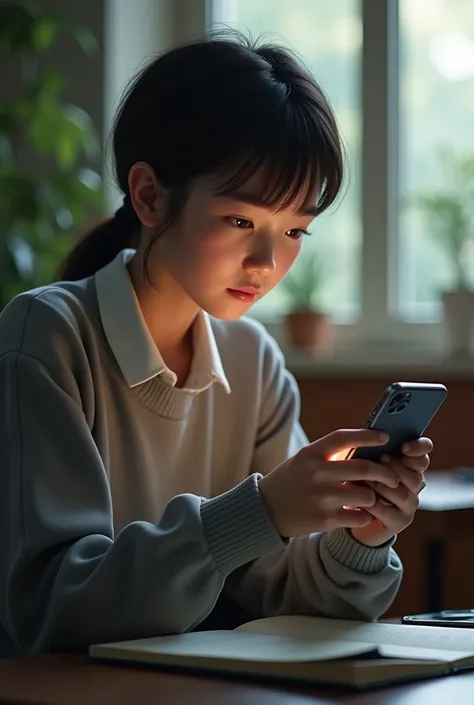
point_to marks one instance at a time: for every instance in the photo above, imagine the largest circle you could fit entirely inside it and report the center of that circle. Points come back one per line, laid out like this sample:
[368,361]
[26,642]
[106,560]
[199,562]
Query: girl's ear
[146,194]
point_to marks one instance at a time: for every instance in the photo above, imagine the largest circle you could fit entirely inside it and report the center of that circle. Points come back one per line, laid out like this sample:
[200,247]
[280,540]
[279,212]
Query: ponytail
[99,247]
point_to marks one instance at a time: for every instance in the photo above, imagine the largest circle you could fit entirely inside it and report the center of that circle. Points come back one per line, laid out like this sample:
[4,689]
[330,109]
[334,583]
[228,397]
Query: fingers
[350,519]
[390,516]
[345,439]
[356,471]
[399,496]
[402,498]
[397,512]
[416,464]
[395,507]
[410,474]
[420,447]
[350,495]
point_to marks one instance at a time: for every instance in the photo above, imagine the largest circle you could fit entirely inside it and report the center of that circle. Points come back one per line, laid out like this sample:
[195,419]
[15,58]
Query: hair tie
[126,210]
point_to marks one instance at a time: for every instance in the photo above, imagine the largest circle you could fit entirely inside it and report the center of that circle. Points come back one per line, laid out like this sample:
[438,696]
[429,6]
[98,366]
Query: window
[400,75]
[436,113]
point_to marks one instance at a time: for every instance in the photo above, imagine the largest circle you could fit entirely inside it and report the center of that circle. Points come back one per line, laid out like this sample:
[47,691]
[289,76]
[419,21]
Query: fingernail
[385,458]
[383,437]
[406,448]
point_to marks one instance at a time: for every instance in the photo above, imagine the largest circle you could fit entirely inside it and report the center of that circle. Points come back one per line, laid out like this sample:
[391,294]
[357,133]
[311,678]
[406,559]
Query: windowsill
[403,364]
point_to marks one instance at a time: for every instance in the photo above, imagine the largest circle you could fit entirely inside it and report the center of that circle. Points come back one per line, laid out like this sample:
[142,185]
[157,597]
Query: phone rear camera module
[399,403]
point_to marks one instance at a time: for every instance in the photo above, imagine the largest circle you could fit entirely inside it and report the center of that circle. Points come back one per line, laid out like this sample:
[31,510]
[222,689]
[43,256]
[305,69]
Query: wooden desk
[73,680]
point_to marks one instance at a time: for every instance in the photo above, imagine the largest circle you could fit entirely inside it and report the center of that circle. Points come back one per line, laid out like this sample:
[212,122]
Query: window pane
[328,35]
[436,112]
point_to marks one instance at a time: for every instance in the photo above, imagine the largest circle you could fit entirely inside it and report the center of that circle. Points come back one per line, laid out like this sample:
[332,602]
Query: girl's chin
[228,313]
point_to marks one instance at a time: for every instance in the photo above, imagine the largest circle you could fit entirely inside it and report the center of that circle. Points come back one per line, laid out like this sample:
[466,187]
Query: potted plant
[47,188]
[450,218]
[309,327]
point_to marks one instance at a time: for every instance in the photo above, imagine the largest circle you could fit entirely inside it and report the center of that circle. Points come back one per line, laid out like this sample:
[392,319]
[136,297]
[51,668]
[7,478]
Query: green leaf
[67,150]
[45,125]
[66,132]
[45,31]
[304,284]
[84,128]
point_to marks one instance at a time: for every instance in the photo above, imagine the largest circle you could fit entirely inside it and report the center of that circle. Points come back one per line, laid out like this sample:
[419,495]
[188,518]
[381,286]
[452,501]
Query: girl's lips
[246,294]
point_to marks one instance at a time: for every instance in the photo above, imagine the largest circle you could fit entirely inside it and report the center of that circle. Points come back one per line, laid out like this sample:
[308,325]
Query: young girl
[154,475]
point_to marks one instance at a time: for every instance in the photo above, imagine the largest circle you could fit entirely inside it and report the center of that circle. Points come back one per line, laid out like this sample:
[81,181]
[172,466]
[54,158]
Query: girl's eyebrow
[255,200]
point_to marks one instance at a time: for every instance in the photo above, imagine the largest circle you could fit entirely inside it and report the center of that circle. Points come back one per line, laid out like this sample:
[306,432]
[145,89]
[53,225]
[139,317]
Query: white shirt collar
[131,343]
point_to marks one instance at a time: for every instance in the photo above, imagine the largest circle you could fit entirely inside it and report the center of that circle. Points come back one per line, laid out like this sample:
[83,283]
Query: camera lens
[398,404]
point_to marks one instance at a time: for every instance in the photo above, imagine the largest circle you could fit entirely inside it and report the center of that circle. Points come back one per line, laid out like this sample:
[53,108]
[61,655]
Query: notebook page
[236,645]
[443,638]
[418,654]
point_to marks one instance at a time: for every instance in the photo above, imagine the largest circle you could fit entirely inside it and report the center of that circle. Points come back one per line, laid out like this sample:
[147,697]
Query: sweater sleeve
[326,574]
[66,580]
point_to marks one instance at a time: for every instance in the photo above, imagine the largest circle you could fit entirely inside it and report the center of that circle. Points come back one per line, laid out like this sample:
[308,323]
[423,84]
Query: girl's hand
[397,511]
[309,492]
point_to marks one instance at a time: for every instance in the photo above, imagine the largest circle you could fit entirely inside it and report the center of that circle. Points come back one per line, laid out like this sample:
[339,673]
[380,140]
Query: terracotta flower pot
[310,330]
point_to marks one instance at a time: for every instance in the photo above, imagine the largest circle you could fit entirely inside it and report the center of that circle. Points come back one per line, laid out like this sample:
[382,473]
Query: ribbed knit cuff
[237,526]
[354,555]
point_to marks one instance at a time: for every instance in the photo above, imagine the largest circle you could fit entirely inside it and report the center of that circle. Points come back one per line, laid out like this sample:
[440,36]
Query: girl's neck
[169,315]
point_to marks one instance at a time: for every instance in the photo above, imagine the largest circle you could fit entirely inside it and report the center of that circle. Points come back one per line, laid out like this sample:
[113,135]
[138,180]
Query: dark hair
[224,106]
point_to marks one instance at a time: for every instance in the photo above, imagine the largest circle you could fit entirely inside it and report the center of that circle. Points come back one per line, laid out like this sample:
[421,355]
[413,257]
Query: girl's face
[226,252]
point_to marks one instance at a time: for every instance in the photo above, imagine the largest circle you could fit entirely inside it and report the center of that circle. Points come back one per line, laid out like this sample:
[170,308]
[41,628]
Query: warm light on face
[220,245]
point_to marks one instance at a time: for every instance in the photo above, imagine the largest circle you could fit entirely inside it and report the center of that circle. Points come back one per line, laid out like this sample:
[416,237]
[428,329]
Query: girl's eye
[241,223]
[296,233]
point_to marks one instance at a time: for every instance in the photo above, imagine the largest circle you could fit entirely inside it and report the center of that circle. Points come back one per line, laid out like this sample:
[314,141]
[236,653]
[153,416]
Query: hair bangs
[296,163]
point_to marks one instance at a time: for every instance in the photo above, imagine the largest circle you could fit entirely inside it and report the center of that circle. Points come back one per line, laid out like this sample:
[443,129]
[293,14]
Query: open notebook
[330,651]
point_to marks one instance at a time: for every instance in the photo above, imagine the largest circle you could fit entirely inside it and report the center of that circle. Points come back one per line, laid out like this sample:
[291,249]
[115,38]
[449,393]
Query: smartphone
[445,618]
[404,411]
